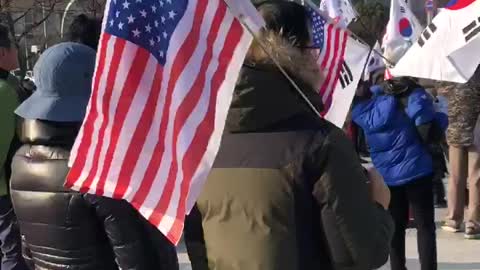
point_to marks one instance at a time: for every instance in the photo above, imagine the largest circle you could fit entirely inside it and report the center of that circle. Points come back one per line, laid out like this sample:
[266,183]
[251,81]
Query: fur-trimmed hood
[265,100]
[298,64]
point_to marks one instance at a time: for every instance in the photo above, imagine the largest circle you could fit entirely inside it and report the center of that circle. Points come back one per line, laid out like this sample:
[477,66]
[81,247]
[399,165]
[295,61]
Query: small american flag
[331,41]
[165,74]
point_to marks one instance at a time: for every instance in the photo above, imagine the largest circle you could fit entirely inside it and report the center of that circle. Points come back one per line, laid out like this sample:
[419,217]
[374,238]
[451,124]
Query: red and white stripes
[152,131]
[331,60]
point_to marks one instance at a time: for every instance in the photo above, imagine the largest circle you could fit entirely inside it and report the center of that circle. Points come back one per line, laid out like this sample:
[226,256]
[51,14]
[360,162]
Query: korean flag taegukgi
[447,50]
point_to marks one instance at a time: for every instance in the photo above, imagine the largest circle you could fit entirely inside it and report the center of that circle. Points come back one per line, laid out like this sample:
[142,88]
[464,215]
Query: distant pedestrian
[464,157]
[398,118]
[10,243]
[85,30]
[437,149]
[287,191]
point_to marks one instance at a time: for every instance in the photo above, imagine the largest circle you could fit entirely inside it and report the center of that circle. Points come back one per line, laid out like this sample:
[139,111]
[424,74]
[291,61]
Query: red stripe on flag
[139,136]
[181,60]
[328,103]
[194,154]
[326,87]
[328,47]
[105,103]
[125,102]
[119,46]
[184,111]
[388,75]
[86,141]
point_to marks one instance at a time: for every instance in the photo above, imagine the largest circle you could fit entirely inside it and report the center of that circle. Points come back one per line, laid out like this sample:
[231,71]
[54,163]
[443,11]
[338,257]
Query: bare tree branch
[25,13]
[4,5]
[48,13]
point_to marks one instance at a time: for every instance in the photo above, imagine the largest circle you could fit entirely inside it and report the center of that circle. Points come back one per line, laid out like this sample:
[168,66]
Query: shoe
[452,226]
[472,231]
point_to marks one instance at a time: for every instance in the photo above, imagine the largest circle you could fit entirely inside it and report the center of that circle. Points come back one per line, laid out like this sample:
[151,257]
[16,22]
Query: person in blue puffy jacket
[398,118]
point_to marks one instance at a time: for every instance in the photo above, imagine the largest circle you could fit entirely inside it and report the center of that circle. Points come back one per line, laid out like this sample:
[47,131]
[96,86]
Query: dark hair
[401,85]
[5,41]
[85,30]
[289,19]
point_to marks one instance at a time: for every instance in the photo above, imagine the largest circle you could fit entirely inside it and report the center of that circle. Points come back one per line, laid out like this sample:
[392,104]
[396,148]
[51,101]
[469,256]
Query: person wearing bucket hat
[63,76]
[63,229]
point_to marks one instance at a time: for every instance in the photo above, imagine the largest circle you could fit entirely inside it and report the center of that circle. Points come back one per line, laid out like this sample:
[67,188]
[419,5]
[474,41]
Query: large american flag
[165,74]
[332,42]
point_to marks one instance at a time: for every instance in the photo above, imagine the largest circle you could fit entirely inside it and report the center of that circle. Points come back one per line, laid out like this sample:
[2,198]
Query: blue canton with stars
[318,28]
[147,23]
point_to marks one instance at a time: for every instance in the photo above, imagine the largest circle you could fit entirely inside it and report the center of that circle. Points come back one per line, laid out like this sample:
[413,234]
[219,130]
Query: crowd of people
[288,190]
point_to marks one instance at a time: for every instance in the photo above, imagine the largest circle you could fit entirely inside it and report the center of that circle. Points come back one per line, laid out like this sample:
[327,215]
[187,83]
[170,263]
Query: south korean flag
[447,49]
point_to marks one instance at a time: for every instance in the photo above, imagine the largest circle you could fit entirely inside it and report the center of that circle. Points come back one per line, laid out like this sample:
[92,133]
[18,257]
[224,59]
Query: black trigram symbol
[346,75]
[427,34]
[402,9]
[472,30]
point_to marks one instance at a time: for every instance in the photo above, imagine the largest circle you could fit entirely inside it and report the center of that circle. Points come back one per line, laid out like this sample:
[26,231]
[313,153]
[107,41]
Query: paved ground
[454,253]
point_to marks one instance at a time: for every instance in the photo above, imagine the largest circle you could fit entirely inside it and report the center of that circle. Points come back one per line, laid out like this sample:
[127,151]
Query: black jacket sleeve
[195,241]
[359,231]
[123,231]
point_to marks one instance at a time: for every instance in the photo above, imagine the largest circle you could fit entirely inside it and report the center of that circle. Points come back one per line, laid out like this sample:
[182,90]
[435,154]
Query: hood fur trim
[297,63]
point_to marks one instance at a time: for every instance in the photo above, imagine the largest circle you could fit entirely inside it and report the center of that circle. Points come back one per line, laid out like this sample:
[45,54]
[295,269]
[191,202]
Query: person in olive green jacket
[287,191]
[10,243]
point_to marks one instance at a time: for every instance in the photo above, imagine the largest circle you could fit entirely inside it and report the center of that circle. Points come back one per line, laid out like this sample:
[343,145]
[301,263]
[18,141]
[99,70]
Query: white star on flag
[131,19]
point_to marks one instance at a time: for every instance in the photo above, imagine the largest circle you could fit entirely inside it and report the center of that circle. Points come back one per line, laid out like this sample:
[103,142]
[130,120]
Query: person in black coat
[286,191]
[62,229]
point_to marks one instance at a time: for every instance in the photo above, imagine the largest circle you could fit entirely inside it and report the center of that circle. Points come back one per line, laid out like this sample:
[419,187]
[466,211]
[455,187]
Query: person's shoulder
[4,85]
[327,134]
[13,81]
[419,90]
[322,127]
[419,94]
[7,92]
[370,103]
[384,103]
[327,140]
